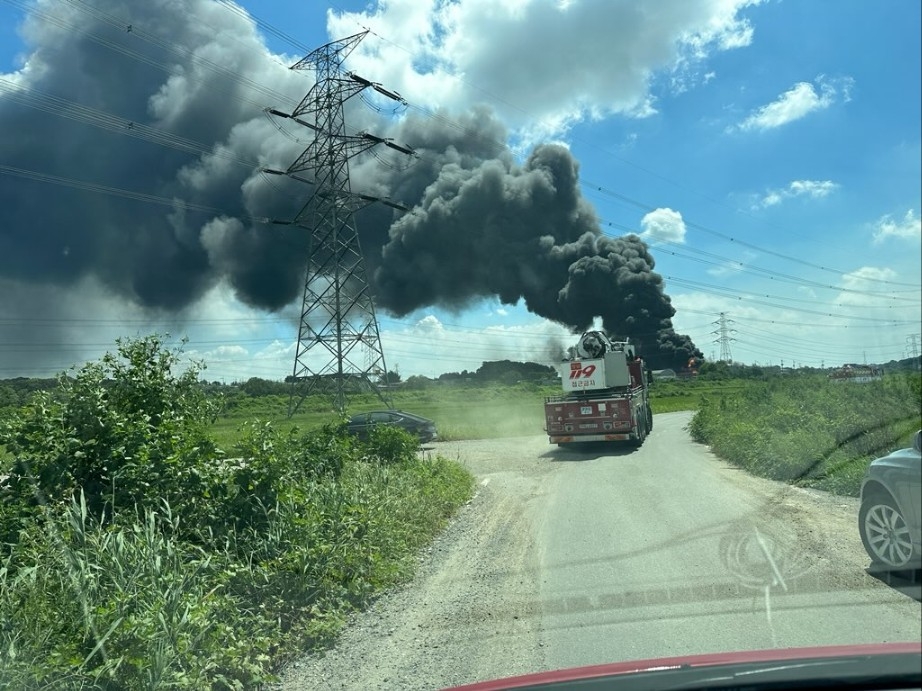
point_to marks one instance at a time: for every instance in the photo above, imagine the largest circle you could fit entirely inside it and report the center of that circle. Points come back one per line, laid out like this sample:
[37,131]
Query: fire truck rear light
[606,425]
[568,428]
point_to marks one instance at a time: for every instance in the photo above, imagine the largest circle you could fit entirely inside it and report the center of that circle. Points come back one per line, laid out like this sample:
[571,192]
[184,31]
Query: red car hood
[712,662]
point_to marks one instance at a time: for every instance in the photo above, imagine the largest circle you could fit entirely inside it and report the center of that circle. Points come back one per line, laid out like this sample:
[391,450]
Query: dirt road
[570,558]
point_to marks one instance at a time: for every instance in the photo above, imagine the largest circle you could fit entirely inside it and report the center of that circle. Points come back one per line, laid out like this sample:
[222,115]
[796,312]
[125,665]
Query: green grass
[810,431]
[460,412]
[135,605]
[674,396]
[135,554]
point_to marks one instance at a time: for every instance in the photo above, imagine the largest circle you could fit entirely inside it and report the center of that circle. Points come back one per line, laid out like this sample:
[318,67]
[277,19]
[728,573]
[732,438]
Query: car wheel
[884,533]
[649,420]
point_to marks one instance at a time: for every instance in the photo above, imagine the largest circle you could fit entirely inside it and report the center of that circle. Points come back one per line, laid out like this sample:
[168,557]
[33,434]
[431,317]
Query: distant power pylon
[914,347]
[339,346]
[723,336]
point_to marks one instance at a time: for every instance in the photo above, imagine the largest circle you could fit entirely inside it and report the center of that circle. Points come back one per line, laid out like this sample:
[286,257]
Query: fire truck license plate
[586,410]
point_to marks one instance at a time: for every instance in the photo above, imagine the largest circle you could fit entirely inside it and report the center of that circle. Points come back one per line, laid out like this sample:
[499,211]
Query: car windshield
[400,344]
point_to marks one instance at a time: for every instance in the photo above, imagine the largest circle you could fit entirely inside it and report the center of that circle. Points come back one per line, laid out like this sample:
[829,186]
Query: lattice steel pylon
[339,344]
[724,331]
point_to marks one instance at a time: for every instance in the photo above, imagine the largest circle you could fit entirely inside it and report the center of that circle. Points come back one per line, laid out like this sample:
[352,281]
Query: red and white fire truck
[606,394]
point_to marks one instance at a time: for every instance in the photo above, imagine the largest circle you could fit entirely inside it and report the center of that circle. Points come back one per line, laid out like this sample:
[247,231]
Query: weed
[138,555]
[809,430]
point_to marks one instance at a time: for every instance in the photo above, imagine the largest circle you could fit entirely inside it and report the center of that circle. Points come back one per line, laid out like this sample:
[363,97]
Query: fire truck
[606,394]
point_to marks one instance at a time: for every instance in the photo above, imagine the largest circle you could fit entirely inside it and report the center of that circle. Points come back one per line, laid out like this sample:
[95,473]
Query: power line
[70,109]
[729,238]
[734,265]
[136,29]
[181,51]
[101,119]
[784,322]
[175,203]
[806,343]
[176,50]
[87,186]
[38,100]
[265,26]
[507,147]
[642,205]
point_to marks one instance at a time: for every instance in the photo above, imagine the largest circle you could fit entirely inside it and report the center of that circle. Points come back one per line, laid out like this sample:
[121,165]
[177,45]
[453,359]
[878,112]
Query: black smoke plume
[480,225]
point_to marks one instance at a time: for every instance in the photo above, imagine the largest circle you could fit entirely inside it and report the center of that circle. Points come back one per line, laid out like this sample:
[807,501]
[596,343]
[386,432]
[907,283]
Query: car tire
[649,420]
[641,431]
[885,534]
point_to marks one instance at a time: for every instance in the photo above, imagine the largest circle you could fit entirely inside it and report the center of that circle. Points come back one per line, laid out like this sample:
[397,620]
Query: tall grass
[134,603]
[138,556]
[809,430]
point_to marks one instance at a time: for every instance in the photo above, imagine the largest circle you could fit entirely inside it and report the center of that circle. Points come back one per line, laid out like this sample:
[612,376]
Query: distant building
[664,375]
[856,374]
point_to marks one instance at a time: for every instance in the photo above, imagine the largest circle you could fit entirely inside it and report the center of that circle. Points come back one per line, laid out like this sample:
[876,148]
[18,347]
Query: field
[803,428]
[810,431]
[459,411]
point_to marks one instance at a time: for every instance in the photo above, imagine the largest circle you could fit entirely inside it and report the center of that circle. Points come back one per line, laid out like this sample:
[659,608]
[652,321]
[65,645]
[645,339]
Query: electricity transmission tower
[913,347]
[723,336]
[339,346]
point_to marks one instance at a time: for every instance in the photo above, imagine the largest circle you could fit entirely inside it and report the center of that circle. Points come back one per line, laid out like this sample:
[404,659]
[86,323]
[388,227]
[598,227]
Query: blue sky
[772,163]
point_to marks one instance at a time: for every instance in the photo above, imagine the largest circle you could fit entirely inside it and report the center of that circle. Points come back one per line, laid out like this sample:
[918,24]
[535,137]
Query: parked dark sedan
[362,424]
[890,518]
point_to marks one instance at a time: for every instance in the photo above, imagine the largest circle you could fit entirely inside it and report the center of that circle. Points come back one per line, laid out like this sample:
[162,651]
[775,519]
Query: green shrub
[124,432]
[809,430]
[138,556]
[389,444]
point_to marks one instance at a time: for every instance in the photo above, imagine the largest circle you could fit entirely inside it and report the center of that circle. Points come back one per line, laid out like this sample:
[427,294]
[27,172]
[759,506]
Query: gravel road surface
[567,558]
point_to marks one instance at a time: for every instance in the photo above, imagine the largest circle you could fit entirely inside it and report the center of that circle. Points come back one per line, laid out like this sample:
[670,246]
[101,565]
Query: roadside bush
[138,556]
[129,605]
[388,444]
[323,452]
[124,432]
[808,430]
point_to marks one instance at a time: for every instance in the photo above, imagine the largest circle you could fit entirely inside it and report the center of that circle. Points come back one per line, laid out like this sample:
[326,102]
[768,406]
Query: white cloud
[772,198]
[865,295]
[819,327]
[866,277]
[663,225]
[909,228]
[594,59]
[732,267]
[728,268]
[813,189]
[225,352]
[797,102]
